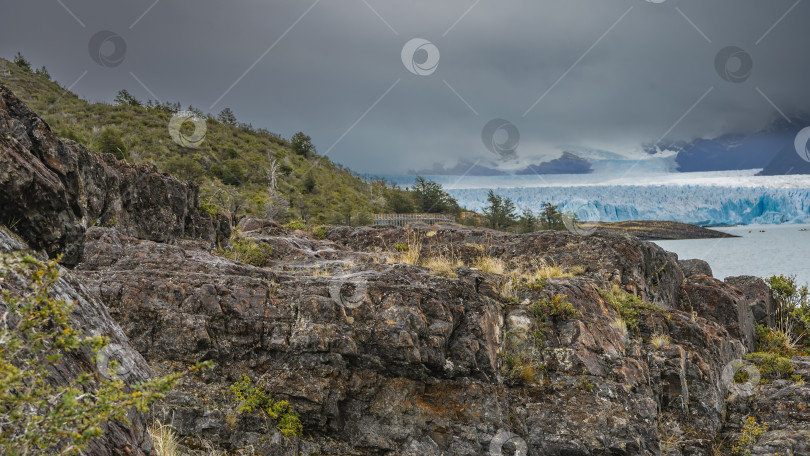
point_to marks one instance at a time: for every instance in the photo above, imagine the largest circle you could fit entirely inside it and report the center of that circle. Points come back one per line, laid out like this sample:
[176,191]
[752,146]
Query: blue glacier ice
[696,204]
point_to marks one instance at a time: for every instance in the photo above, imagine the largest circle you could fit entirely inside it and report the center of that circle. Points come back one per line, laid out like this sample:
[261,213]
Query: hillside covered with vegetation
[240,169]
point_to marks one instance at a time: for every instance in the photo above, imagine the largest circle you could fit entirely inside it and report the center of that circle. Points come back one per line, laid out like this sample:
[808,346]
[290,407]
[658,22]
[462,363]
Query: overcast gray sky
[609,74]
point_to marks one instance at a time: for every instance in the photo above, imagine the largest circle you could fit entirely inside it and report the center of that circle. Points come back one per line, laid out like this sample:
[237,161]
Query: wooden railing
[404,219]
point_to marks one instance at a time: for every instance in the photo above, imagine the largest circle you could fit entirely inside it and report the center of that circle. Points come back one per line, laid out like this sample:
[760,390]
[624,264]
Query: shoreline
[655,230]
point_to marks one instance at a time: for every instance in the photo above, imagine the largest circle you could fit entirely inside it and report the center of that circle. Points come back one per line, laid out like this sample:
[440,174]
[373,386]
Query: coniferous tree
[21,62]
[302,144]
[500,212]
[227,117]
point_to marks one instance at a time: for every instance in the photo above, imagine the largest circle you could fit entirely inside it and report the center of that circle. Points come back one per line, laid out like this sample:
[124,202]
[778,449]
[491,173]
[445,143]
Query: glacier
[708,205]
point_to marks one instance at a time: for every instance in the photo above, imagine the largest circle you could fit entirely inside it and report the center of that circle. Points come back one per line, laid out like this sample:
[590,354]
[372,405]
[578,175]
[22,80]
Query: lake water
[780,249]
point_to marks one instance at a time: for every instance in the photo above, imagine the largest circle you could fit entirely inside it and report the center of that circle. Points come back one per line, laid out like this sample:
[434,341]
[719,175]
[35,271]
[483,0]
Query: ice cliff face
[698,204]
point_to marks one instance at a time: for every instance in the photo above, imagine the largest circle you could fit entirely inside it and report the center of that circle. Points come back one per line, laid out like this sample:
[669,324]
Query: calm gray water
[781,249]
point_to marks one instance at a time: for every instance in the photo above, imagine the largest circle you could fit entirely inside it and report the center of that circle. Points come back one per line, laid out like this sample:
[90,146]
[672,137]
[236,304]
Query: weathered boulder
[91,317]
[52,190]
[758,295]
[695,267]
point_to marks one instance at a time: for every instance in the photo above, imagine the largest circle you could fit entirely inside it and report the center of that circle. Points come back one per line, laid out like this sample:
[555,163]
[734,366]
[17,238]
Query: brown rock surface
[394,359]
[52,190]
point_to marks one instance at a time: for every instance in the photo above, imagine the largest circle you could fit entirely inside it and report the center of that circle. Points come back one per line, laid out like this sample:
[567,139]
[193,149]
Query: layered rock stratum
[383,357]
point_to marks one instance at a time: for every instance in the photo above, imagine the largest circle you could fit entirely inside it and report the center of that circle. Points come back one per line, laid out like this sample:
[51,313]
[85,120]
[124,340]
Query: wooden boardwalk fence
[404,219]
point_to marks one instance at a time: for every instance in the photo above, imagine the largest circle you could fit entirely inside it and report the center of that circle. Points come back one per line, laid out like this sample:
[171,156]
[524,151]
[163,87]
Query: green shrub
[36,415]
[771,365]
[792,307]
[319,232]
[401,247]
[253,398]
[247,250]
[297,224]
[625,303]
[557,307]
[774,341]
[749,436]
[110,142]
[741,376]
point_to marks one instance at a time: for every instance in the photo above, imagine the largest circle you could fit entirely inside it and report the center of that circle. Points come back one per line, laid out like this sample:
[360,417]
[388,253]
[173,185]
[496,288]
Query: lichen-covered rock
[394,359]
[91,317]
[711,298]
[758,295]
[52,190]
[782,407]
[695,267]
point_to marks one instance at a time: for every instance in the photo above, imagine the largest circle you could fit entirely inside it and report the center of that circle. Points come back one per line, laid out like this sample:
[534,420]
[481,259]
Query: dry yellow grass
[409,254]
[620,326]
[659,340]
[490,265]
[164,439]
[443,265]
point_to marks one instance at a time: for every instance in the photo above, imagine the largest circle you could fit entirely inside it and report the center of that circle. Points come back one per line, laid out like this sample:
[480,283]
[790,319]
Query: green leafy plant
[626,304]
[297,224]
[771,365]
[247,250]
[791,308]
[255,398]
[401,247]
[749,436]
[556,307]
[319,232]
[37,415]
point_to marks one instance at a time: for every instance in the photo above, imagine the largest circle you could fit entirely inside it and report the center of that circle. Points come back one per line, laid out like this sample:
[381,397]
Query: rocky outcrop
[713,299]
[91,318]
[381,356]
[394,359]
[695,267]
[52,191]
[782,406]
[758,295]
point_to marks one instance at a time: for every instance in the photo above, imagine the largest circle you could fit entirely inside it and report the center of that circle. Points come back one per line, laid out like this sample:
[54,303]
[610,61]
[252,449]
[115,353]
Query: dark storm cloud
[640,68]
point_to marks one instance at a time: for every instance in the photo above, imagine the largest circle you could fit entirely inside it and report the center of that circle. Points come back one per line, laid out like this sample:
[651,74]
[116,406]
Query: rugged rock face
[711,298]
[783,405]
[91,317]
[394,359]
[695,267]
[759,298]
[51,190]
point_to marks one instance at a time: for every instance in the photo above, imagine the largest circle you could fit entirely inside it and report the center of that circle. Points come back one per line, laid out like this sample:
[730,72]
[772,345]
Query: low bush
[37,415]
[557,307]
[255,398]
[771,365]
[247,250]
[626,304]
